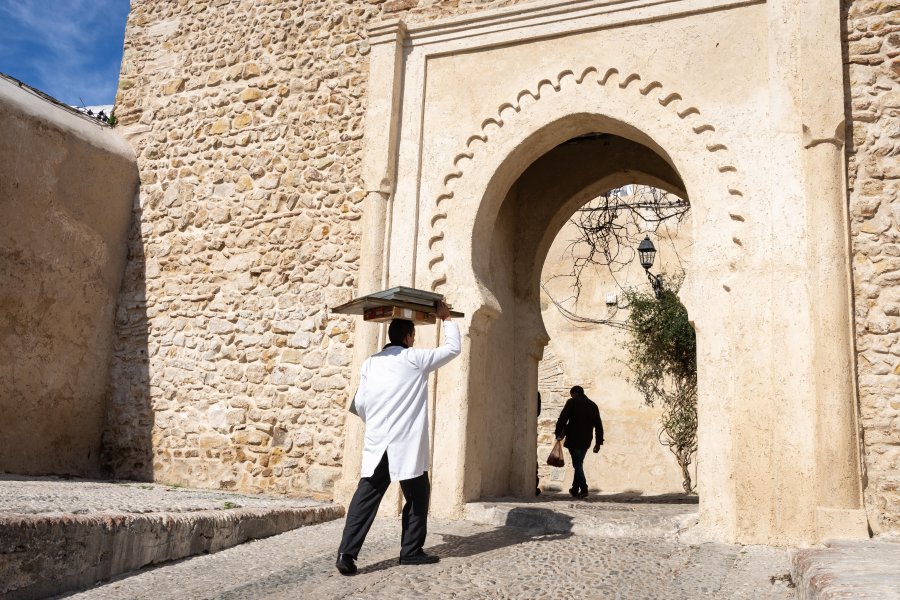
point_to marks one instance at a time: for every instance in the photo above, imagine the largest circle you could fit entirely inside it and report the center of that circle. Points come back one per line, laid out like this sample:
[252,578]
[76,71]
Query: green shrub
[662,358]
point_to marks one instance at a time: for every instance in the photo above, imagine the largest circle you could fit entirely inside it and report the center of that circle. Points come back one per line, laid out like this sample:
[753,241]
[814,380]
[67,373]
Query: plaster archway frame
[783,414]
[558,110]
[533,212]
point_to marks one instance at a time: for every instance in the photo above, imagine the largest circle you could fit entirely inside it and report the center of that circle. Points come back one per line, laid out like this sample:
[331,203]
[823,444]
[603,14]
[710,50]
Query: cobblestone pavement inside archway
[482,561]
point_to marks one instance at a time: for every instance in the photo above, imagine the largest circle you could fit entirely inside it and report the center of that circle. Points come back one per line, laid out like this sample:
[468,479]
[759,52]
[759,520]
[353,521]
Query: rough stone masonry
[247,118]
[873,164]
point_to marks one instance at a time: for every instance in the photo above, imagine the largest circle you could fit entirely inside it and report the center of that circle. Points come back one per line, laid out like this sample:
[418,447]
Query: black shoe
[346,564]
[583,494]
[420,559]
[574,492]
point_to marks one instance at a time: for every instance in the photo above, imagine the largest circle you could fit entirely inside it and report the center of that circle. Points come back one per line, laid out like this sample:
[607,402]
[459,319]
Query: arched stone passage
[533,211]
[461,109]
[741,389]
[477,195]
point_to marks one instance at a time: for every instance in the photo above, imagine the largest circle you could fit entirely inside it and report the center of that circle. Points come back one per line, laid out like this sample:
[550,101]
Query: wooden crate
[383,314]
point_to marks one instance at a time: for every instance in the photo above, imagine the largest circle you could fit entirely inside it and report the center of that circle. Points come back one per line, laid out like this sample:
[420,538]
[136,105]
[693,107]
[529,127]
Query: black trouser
[579,482]
[361,514]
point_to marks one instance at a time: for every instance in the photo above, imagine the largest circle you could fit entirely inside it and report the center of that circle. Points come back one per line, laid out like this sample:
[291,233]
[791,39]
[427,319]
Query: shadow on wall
[127,449]
[66,187]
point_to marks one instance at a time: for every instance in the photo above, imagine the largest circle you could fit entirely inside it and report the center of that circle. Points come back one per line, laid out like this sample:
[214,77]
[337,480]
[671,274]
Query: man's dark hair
[577,391]
[399,329]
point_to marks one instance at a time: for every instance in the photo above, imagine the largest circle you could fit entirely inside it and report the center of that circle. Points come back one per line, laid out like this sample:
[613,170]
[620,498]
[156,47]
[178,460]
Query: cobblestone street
[479,561]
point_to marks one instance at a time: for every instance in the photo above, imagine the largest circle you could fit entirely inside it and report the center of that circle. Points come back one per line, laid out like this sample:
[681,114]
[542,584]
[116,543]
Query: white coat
[392,400]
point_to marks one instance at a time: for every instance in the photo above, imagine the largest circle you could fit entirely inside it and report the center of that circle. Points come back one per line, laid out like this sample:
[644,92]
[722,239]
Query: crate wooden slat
[418,313]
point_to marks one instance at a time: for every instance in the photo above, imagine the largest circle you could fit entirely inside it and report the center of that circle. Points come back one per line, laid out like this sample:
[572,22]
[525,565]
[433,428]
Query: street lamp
[646,254]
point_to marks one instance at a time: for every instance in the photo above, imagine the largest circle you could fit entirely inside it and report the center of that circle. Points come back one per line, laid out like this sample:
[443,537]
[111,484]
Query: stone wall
[553,386]
[873,70]
[247,118]
[67,184]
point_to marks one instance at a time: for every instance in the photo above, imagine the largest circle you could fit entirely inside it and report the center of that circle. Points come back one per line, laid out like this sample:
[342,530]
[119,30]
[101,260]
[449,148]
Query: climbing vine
[662,358]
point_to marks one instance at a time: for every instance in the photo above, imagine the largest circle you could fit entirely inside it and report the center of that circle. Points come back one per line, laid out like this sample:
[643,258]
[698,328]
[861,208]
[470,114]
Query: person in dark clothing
[577,422]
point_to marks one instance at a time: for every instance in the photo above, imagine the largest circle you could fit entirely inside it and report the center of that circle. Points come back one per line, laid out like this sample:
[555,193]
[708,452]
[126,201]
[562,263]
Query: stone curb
[42,555]
[859,570]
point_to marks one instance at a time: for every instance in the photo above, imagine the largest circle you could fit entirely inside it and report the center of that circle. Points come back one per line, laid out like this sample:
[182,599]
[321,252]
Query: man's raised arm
[429,360]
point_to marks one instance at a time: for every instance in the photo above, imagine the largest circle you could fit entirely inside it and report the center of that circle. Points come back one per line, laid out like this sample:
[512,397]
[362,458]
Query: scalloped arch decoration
[668,100]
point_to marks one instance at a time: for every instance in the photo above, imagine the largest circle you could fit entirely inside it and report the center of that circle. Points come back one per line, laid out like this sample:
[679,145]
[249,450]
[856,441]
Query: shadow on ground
[522,525]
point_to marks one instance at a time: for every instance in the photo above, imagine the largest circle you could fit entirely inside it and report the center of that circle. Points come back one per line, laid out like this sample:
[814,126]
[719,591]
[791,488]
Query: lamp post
[646,254]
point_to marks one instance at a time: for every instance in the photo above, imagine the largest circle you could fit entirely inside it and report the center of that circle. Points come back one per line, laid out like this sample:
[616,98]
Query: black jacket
[578,417]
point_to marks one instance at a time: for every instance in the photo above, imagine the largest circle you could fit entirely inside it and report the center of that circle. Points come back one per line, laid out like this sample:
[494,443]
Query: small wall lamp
[646,254]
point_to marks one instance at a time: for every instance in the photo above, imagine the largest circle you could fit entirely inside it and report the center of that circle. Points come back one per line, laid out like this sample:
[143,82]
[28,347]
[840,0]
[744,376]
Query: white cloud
[65,44]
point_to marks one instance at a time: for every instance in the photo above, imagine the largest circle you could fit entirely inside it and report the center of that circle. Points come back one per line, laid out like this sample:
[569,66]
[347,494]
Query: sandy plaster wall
[873,165]
[593,356]
[66,188]
[247,118]
[548,118]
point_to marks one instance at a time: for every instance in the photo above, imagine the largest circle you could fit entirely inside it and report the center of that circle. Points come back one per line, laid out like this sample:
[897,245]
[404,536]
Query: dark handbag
[556,455]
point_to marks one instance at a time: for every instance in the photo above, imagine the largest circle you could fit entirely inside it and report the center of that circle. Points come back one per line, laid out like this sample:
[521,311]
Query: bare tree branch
[611,226]
[576,318]
[609,229]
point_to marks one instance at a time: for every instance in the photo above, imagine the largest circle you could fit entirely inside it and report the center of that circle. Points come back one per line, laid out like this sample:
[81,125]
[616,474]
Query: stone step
[55,540]
[597,517]
[862,570]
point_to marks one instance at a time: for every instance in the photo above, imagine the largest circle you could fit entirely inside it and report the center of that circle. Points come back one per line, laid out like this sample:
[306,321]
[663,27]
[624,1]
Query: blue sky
[65,48]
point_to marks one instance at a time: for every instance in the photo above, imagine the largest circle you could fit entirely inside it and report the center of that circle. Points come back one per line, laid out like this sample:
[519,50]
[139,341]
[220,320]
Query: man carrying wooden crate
[392,400]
